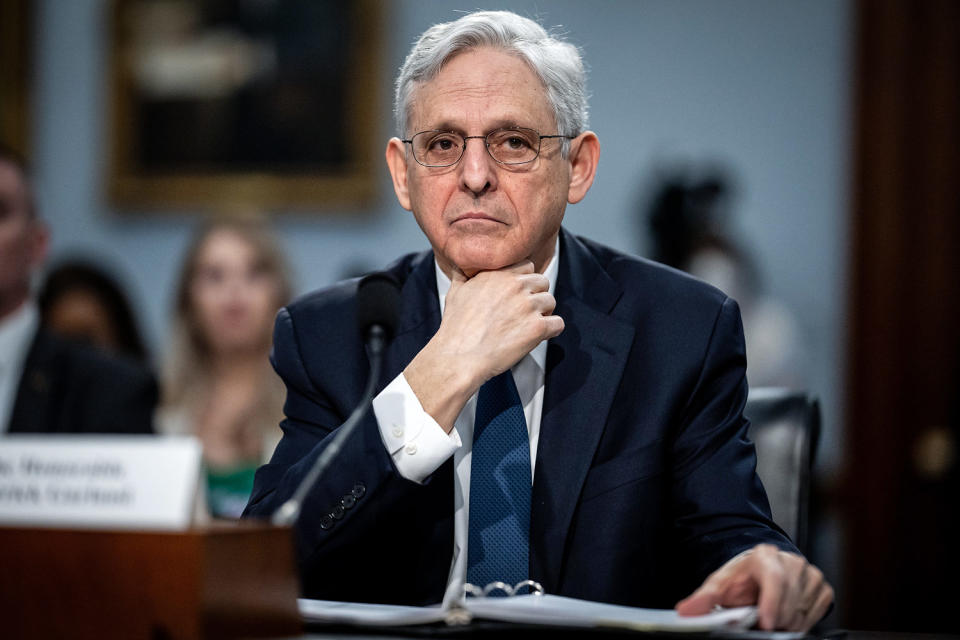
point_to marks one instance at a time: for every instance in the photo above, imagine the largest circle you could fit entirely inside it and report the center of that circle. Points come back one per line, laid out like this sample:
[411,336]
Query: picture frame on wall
[16,18]
[226,104]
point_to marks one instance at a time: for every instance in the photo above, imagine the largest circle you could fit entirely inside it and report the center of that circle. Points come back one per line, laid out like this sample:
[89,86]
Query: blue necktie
[499,535]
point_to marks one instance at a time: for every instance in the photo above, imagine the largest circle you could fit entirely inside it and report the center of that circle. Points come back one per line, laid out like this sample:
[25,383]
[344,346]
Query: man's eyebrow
[446,125]
[504,123]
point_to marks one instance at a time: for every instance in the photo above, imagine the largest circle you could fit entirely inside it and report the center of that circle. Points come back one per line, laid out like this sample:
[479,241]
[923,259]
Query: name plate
[99,482]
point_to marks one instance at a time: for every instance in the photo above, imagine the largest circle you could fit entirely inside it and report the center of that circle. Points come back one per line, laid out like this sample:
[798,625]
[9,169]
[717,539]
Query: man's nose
[478,173]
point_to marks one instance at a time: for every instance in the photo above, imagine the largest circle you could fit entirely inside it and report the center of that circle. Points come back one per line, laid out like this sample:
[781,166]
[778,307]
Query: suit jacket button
[326,522]
[337,513]
[358,490]
[348,501]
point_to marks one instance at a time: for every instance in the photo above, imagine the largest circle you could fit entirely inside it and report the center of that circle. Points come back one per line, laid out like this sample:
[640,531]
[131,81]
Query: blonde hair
[187,371]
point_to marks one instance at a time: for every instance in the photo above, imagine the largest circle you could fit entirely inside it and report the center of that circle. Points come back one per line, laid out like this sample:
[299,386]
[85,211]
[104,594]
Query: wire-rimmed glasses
[514,145]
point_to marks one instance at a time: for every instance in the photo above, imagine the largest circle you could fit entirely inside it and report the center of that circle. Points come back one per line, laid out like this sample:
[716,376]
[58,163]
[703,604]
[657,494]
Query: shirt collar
[539,353]
[16,333]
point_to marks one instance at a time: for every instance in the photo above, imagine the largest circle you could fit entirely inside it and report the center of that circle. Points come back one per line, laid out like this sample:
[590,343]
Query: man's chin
[473,262]
[471,269]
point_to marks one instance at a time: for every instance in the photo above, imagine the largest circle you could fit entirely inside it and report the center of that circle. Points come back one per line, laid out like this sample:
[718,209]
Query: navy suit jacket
[645,481]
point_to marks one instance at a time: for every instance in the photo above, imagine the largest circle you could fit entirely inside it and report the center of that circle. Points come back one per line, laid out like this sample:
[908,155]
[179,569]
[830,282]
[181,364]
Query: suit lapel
[419,317]
[31,409]
[584,366]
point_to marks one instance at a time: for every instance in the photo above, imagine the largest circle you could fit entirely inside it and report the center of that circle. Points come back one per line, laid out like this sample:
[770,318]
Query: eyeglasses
[517,145]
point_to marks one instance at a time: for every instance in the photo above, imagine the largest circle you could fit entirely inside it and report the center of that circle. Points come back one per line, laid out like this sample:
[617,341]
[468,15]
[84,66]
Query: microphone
[378,310]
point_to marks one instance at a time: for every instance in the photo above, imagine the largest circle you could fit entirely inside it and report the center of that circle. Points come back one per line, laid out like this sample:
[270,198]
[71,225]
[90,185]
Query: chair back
[785,427]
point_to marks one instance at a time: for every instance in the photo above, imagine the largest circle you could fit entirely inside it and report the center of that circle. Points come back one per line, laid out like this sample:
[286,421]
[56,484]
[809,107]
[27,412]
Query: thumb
[700,602]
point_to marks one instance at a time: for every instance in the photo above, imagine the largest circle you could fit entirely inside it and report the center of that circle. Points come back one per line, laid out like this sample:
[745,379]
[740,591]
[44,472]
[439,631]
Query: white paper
[550,609]
[530,609]
[361,613]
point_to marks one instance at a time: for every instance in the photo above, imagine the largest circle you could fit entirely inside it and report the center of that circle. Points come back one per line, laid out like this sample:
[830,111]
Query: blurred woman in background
[84,302]
[217,380]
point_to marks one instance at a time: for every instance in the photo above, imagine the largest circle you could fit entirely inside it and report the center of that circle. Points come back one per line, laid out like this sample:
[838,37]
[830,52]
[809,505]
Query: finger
[700,602]
[812,584]
[819,608]
[794,606]
[713,590]
[768,571]
[543,303]
[535,282]
[708,595]
[524,266]
[553,326]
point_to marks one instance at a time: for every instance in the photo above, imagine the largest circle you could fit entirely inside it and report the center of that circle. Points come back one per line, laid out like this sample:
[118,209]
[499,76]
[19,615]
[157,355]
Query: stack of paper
[528,609]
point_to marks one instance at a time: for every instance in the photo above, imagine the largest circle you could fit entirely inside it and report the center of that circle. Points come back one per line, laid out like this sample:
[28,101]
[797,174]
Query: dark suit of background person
[644,479]
[49,385]
[72,388]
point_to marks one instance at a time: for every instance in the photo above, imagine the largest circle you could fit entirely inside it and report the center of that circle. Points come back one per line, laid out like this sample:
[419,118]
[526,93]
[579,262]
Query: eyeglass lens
[444,148]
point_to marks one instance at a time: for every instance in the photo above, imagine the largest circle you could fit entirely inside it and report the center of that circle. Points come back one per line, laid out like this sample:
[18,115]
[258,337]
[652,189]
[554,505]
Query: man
[48,385]
[625,379]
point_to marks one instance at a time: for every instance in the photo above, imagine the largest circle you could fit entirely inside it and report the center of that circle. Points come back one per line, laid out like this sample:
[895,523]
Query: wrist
[442,385]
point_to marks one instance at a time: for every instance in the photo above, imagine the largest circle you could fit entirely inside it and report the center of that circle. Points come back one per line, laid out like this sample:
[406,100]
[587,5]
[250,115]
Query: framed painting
[257,104]
[15,28]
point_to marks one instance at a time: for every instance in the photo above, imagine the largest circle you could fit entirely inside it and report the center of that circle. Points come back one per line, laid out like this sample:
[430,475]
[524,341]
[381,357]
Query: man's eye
[442,144]
[517,142]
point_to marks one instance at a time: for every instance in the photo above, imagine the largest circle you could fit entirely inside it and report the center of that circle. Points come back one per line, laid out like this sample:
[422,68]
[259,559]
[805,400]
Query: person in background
[217,380]
[47,384]
[81,301]
[689,221]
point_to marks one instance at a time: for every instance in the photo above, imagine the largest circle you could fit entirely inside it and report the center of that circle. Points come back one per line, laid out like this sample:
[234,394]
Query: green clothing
[228,489]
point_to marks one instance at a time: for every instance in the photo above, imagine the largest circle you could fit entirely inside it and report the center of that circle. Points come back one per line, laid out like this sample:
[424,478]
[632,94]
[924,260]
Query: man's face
[22,239]
[478,214]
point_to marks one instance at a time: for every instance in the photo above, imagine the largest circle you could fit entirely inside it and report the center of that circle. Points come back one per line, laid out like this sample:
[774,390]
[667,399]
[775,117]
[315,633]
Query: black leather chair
[785,427]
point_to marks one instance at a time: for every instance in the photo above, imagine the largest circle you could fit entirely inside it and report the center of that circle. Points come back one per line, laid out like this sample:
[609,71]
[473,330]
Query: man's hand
[490,321]
[789,592]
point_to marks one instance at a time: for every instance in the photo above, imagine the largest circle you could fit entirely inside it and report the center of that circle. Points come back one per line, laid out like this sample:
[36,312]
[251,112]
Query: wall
[759,86]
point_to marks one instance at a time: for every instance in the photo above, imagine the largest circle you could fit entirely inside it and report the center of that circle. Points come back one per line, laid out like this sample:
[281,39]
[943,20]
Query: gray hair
[556,63]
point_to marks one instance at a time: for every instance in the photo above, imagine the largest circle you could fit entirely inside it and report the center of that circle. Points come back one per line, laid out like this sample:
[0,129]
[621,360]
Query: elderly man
[550,408]
[48,385]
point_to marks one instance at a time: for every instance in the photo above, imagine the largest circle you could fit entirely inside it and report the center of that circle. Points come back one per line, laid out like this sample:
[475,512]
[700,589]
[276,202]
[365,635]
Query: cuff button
[358,490]
[337,512]
[348,501]
[326,522]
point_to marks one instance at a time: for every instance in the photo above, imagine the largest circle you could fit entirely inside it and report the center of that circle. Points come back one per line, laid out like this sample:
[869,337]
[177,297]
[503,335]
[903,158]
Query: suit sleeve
[350,524]
[720,506]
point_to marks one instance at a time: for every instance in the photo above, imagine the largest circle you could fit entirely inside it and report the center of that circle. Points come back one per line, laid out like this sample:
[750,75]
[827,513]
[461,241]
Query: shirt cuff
[417,444]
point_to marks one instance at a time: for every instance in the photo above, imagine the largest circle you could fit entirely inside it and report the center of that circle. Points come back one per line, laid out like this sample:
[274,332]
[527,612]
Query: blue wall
[763,87]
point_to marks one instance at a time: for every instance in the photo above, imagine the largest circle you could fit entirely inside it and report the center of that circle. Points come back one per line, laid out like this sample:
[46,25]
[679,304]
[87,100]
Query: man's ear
[584,156]
[397,163]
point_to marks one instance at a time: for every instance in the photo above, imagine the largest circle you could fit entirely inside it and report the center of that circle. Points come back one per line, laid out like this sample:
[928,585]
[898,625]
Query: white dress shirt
[418,445]
[16,334]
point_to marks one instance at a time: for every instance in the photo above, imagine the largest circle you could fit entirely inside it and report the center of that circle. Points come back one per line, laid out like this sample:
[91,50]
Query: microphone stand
[289,511]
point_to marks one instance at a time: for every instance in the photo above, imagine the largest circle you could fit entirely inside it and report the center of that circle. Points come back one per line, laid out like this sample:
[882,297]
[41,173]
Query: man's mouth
[475,215]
